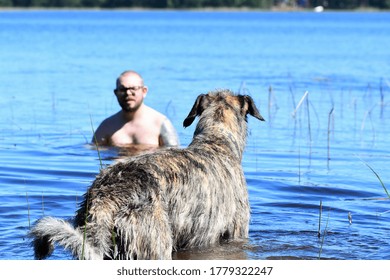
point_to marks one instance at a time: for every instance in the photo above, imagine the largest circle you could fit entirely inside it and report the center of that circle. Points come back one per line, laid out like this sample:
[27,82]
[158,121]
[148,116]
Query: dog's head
[244,104]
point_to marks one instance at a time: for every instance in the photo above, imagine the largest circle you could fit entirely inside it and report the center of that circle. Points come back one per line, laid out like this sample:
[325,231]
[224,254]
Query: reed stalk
[292,96]
[323,236]
[299,104]
[319,220]
[43,206]
[28,212]
[354,102]
[294,105]
[87,202]
[272,105]
[85,229]
[242,89]
[299,164]
[269,102]
[368,114]
[329,121]
[308,119]
[96,143]
[382,97]
[379,178]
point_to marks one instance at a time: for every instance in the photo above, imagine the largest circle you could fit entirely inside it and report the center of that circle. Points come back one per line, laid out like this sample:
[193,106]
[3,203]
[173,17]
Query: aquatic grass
[308,104]
[323,236]
[28,212]
[96,143]
[319,229]
[294,106]
[308,119]
[350,218]
[87,197]
[242,89]
[270,93]
[299,165]
[371,115]
[85,228]
[294,114]
[292,96]
[378,177]
[382,97]
[330,115]
[43,206]
[299,104]
[53,101]
[368,114]
[271,105]
[372,104]
[354,103]
[319,220]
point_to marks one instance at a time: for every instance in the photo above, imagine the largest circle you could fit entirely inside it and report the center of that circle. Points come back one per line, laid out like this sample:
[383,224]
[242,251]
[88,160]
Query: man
[136,123]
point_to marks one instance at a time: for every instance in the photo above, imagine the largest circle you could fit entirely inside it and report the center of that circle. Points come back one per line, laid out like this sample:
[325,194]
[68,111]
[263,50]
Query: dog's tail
[48,231]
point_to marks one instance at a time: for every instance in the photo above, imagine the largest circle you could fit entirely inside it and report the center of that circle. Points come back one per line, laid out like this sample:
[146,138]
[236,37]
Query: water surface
[58,70]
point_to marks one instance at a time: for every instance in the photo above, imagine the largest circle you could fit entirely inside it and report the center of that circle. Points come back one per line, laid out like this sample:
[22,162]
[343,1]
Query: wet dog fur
[152,204]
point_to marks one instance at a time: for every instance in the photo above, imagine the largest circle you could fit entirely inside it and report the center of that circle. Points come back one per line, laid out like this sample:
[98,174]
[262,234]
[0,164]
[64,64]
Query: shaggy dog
[152,204]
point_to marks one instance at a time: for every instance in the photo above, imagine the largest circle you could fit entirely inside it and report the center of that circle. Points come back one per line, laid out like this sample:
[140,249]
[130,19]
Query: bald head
[130,75]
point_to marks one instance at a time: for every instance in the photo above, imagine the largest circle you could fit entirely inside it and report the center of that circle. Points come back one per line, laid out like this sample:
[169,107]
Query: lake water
[58,69]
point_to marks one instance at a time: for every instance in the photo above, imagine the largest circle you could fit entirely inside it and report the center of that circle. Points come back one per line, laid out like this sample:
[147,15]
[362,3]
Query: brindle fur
[152,204]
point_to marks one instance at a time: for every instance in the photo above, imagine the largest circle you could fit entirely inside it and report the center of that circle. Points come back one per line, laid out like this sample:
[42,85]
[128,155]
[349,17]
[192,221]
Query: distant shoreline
[206,9]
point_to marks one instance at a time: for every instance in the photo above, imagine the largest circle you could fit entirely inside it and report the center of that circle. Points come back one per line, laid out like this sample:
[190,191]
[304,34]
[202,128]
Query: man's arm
[168,136]
[99,137]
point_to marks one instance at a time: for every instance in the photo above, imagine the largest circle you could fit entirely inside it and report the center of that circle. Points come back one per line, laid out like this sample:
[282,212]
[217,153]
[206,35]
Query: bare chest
[137,133]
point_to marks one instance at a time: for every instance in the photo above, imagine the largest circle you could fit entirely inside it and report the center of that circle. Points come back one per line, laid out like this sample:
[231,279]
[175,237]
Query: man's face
[130,92]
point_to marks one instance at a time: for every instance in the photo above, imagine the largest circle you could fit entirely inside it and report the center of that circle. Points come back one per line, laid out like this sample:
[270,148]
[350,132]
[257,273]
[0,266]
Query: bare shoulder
[154,114]
[110,121]
[167,133]
[106,128]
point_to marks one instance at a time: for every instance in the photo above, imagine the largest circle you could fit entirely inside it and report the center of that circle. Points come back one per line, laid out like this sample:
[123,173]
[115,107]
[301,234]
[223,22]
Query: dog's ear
[250,107]
[196,110]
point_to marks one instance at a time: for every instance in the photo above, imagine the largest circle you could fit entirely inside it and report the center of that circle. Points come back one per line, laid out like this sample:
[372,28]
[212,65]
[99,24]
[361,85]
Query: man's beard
[125,107]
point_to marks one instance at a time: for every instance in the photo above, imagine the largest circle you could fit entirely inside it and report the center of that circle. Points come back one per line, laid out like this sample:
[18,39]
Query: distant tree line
[350,4]
[177,4]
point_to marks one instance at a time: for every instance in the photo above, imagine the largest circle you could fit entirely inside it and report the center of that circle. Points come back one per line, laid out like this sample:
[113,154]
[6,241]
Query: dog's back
[151,204]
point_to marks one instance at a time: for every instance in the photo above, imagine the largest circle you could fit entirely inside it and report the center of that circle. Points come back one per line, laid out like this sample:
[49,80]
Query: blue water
[58,69]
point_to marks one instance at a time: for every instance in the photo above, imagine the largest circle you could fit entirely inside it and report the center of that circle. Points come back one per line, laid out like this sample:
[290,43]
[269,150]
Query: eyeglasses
[122,91]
